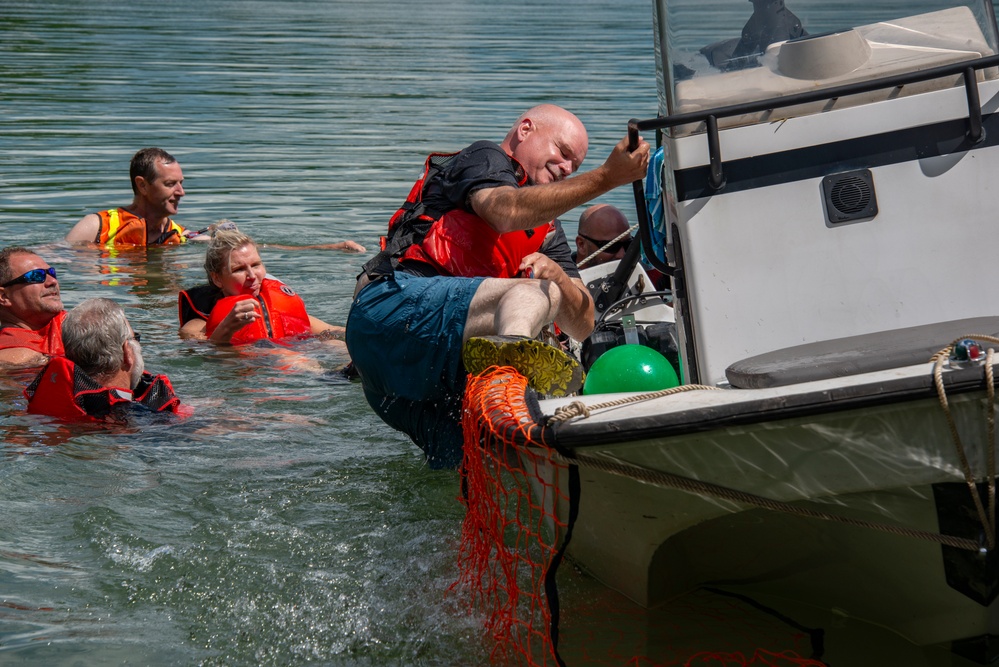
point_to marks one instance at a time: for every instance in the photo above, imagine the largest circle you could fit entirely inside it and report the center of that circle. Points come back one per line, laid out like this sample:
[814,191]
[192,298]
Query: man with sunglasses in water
[157,188]
[600,225]
[31,311]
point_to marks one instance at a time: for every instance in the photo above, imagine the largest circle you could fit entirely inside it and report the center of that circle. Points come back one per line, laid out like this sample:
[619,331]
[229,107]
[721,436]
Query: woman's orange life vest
[47,340]
[64,391]
[283,311]
[119,227]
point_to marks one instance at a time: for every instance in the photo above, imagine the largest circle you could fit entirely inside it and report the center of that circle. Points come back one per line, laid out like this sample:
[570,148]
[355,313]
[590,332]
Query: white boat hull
[894,466]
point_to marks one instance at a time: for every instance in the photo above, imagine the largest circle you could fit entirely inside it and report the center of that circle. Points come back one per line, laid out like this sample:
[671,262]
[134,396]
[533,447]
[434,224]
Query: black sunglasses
[33,276]
[615,247]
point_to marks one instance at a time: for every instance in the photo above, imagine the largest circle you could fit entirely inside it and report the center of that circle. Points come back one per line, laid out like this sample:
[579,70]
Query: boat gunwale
[789,402]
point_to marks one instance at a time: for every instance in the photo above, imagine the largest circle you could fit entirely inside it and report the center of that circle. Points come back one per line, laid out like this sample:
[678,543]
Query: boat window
[713,53]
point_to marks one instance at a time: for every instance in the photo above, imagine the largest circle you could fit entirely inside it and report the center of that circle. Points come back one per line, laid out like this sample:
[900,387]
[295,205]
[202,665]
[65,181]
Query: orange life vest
[283,311]
[64,391]
[455,242]
[119,227]
[47,340]
[460,243]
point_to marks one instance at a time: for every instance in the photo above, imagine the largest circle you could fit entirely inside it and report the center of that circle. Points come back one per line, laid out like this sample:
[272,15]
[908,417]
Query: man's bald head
[598,225]
[548,141]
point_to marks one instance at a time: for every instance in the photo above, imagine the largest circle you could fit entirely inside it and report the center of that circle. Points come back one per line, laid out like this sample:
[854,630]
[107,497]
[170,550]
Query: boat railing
[710,117]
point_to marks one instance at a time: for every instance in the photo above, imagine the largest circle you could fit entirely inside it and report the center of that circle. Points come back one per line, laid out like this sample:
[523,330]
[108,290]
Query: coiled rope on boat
[987,517]
[580,409]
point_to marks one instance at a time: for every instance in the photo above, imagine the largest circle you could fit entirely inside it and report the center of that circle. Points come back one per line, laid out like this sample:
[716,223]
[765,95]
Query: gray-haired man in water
[103,375]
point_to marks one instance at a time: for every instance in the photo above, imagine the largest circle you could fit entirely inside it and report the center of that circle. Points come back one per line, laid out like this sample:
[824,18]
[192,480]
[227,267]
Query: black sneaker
[549,370]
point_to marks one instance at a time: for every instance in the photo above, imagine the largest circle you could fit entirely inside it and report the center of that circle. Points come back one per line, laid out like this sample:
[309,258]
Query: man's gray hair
[226,237]
[93,334]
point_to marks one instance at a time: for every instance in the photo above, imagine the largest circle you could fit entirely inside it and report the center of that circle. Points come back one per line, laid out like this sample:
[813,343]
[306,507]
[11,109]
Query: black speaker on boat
[850,196]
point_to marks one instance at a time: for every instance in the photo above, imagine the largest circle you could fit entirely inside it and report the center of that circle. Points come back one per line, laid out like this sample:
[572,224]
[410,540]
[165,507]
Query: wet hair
[144,164]
[5,255]
[92,336]
[226,237]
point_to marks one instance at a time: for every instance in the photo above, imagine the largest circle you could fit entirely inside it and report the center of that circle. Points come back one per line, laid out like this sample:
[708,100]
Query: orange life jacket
[47,340]
[463,244]
[283,311]
[64,391]
[119,227]
[455,242]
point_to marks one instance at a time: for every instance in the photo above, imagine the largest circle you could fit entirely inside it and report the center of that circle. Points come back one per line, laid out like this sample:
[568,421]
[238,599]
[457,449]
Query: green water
[282,523]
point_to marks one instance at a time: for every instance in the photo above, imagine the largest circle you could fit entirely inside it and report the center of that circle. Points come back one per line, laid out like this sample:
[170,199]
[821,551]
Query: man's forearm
[507,208]
[575,316]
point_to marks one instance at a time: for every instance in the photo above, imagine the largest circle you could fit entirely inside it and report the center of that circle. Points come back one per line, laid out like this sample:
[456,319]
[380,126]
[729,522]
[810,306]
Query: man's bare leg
[503,319]
[510,307]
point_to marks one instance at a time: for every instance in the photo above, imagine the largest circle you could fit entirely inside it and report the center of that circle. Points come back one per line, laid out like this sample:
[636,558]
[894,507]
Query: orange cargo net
[509,541]
[520,498]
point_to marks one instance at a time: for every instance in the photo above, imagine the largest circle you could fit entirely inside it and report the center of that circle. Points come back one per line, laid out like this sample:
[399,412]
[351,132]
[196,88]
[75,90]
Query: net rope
[509,538]
[517,489]
[515,478]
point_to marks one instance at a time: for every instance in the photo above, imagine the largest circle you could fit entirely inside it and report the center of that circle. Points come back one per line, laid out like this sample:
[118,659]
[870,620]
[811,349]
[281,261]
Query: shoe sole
[549,370]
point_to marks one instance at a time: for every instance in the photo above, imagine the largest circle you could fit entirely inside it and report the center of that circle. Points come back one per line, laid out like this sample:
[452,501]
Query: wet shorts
[404,335]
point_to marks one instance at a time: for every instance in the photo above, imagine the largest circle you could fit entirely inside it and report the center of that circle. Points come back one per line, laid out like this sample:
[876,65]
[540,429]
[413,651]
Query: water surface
[283,523]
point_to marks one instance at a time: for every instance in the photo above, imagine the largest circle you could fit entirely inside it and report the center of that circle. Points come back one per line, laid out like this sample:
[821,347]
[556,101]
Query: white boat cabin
[826,174]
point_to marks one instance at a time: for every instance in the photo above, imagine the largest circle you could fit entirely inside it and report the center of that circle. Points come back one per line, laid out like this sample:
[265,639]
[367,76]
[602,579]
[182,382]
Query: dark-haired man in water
[157,187]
